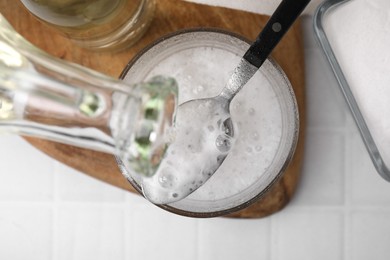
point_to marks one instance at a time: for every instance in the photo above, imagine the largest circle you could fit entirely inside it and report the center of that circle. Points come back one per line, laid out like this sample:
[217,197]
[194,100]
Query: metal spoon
[215,111]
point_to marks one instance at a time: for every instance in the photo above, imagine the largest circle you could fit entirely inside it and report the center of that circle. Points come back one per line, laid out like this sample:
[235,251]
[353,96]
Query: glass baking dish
[341,28]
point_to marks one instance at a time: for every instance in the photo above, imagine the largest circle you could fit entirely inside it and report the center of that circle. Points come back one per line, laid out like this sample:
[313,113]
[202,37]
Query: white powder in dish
[359,32]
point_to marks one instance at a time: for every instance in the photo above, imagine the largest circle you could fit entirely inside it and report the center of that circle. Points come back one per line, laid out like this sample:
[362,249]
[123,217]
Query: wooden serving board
[171,15]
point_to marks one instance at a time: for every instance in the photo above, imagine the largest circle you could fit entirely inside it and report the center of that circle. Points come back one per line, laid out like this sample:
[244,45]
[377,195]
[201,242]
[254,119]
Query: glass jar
[264,111]
[96,24]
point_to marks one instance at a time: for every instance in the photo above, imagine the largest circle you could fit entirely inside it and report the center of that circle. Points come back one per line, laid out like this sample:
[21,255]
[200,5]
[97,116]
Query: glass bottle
[49,98]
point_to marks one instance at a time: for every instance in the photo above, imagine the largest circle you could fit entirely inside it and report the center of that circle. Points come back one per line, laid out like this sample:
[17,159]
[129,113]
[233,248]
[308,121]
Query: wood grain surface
[171,15]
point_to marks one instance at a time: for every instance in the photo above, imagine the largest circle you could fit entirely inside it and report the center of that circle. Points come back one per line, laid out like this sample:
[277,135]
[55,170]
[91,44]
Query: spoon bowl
[204,133]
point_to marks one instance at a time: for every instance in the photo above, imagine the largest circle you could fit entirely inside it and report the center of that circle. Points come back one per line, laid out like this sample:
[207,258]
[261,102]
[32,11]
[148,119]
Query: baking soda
[359,32]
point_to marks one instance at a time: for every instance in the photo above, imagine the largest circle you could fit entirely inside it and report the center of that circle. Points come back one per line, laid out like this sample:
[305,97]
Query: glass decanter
[49,98]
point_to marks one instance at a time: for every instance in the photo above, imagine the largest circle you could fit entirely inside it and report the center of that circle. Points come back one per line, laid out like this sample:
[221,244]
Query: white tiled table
[341,209]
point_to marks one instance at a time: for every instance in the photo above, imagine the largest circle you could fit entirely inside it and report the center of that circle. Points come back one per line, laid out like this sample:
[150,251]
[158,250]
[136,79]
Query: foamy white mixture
[359,32]
[255,112]
[200,143]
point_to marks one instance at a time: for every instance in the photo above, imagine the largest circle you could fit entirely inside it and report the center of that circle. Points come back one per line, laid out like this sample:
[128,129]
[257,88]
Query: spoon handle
[279,23]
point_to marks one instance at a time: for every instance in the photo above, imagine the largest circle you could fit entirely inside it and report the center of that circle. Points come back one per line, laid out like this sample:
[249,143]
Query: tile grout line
[129,229]
[371,208]
[272,250]
[54,206]
[126,228]
[125,232]
[197,240]
[347,190]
